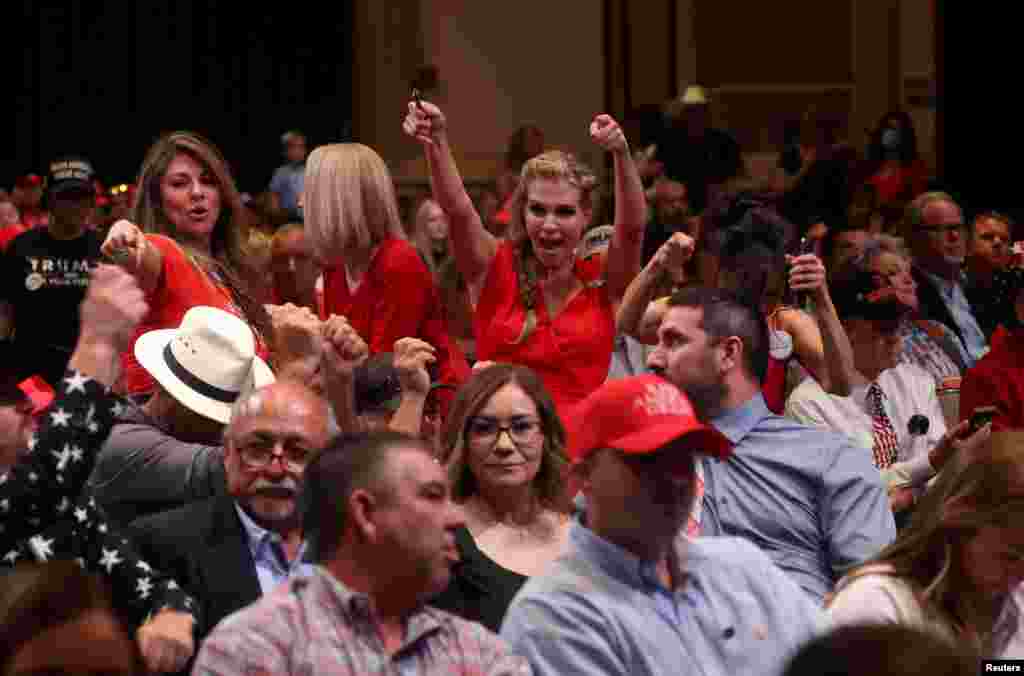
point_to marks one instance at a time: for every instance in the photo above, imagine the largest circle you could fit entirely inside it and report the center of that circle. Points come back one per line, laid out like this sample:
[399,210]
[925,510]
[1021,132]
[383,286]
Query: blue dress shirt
[601,610]
[272,567]
[952,294]
[811,499]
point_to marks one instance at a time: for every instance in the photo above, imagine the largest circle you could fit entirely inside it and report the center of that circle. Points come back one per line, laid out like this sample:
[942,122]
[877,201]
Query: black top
[697,162]
[45,280]
[480,589]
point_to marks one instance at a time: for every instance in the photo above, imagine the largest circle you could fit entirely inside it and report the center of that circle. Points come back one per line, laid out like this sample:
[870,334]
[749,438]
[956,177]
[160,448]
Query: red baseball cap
[639,415]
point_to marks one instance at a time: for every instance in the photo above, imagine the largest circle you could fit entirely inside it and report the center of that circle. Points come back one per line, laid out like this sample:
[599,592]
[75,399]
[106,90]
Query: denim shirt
[811,499]
[601,610]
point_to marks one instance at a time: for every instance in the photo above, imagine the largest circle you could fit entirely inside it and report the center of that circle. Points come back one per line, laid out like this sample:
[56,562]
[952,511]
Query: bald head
[285,398]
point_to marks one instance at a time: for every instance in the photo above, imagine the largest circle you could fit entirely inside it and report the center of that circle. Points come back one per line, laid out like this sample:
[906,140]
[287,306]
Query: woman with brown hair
[194,250]
[953,570]
[534,301]
[503,445]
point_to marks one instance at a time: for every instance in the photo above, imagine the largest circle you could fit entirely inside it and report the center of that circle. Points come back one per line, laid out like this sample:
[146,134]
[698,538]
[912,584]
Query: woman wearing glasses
[957,569]
[503,446]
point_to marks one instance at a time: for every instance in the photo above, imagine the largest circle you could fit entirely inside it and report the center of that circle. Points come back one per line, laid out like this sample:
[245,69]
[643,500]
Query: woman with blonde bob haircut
[535,302]
[503,445]
[954,570]
[195,247]
[372,275]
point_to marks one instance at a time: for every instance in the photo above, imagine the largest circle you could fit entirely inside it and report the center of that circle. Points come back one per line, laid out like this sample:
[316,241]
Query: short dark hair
[884,650]
[725,314]
[348,463]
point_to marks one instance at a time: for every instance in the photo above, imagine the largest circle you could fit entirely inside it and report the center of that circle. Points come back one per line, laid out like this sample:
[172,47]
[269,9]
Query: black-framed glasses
[261,452]
[485,431]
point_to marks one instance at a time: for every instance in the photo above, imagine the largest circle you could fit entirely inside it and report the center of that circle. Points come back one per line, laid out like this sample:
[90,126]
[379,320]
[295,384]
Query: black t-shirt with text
[45,280]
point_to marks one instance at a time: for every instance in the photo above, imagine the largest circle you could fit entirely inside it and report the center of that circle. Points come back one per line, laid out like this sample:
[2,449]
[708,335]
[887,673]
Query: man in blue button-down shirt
[809,498]
[633,595]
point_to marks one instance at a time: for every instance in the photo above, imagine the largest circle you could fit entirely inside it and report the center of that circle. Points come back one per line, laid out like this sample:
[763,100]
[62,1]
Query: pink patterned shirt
[316,625]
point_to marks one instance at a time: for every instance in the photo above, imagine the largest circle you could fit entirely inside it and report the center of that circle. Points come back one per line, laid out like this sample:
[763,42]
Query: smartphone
[983,415]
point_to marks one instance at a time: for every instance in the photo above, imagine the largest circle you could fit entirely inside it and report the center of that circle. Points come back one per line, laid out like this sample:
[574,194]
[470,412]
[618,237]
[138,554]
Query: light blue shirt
[600,610]
[810,498]
[952,294]
[272,567]
[287,182]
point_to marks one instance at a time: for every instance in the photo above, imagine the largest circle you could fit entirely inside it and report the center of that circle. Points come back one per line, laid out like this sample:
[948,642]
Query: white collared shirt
[909,391]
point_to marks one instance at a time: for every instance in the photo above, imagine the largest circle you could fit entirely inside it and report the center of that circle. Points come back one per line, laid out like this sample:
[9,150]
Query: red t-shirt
[395,299]
[9,232]
[182,286]
[903,183]
[997,380]
[572,352]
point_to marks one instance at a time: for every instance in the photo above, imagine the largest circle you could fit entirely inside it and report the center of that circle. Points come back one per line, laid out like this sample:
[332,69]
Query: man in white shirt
[893,410]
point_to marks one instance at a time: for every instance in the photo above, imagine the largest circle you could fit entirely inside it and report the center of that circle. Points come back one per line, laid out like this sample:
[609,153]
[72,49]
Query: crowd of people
[688,422]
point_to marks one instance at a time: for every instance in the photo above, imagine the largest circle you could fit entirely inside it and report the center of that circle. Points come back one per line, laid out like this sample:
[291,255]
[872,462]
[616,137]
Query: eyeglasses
[942,228]
[261,452]
[486,431]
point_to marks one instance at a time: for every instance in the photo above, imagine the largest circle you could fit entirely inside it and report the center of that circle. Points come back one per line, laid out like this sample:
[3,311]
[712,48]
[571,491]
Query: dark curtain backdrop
[106,78]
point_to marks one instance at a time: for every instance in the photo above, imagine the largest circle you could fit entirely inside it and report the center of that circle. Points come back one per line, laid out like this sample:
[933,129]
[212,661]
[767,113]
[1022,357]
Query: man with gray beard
[232,549]
[937,236]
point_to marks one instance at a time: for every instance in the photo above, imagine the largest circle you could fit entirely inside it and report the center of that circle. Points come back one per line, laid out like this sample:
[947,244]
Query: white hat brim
[149,351]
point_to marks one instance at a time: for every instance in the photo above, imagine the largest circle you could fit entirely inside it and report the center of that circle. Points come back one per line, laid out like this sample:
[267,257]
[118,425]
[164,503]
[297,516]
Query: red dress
[396,299]
[571,353]
[168,304]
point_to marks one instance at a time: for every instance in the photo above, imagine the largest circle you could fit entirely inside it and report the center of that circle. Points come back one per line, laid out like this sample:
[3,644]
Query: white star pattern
[102,528]
[32,441]
[3,478]
[92,503]
[76,454]
[144,567]
[42,547]
[81,515]
[93,428]
[63,457]
[117,409]
[11,556]
[60,418]
[80,562]
[143,586]
[64,505]
[33,477]
[5,505]
[172,585]
[76,383]
[110,559]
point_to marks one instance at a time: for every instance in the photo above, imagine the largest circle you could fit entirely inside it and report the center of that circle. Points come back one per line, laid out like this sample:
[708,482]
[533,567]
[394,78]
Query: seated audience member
[381,529]
[504,449]
[880,650]
[57,619]
[990,280]
[811,499]
[373,277]
[893,409]
[44,273]
[998,379]
[43,517]
[294,268]
[927,343]
[286,183]
[231,549]
[634,595]
[937,237]
[194,250]
[535,302]
[953,570]
[167,452]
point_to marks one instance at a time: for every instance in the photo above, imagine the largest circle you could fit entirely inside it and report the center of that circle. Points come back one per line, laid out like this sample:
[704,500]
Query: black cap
[856,297]
[71,174]
[377,386]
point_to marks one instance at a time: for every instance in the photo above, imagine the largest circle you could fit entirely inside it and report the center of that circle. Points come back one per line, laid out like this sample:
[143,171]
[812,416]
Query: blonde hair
[422,239]
[969,494]
[349,199]
[550,165]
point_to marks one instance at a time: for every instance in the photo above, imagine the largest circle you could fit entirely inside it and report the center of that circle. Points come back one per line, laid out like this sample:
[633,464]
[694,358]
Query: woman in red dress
[372,276]
[534,302]
[194,248]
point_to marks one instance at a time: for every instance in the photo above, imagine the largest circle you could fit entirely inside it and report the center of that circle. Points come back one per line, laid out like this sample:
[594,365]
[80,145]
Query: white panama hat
[207,363]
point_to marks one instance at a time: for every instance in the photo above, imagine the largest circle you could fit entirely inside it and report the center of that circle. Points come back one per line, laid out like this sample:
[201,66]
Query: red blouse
[396,299]
[182,286]
[570,352]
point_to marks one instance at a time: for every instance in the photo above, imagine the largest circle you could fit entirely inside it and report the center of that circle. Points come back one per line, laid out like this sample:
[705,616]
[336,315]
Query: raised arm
[669,259]
[343,351]
[474,248]
[128,247]
[626,249]
[411,359]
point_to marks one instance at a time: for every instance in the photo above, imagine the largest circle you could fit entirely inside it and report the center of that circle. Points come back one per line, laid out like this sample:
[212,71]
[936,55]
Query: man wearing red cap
[635,595]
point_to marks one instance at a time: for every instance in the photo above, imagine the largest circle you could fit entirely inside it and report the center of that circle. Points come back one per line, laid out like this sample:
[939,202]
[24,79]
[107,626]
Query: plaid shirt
[316,625]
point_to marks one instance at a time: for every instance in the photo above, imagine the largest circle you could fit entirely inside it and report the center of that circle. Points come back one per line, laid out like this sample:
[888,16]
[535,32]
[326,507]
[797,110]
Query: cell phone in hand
[983,415]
